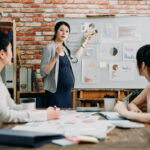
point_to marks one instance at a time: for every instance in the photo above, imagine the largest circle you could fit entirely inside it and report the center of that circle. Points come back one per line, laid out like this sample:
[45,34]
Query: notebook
[26,138]
[112,116]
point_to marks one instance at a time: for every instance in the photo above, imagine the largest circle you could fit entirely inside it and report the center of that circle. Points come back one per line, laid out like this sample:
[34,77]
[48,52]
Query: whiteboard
[109,59]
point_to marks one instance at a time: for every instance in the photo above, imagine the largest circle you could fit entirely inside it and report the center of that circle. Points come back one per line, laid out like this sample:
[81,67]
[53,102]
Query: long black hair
[4,41]
[143,55]
[58,24]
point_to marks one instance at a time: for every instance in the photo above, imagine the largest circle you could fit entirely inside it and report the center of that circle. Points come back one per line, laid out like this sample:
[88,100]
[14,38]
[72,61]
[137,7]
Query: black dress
[63,96]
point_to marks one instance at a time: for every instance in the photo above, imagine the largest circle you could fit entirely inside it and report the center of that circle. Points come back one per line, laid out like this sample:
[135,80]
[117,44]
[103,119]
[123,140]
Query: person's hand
[52,113]
[134,108]
[120,108]
[59,50]
[86,39]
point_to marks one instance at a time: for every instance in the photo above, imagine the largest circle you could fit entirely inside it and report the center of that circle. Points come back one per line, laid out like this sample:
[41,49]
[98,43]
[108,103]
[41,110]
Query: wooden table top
[118,139]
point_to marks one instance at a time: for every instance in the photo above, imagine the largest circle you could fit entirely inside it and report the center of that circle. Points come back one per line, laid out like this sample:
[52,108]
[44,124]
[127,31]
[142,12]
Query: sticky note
[102,64]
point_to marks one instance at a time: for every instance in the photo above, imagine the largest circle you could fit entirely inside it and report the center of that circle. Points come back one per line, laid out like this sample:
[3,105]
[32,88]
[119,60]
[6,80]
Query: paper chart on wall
[129,32]
[108,31]
[130,50]
[89,28]
[89,71]
[111,51]
[121,71]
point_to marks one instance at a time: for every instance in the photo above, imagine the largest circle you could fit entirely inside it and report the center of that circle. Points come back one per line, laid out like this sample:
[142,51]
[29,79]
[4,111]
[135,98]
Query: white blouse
[10,112]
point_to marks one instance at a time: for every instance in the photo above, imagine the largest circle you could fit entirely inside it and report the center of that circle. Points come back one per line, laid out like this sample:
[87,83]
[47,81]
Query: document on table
[120,121]
[128,124]
[71,123]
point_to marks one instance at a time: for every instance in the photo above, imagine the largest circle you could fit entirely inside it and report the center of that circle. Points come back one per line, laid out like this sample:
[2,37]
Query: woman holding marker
[56,68]
[134,112]
[9,111]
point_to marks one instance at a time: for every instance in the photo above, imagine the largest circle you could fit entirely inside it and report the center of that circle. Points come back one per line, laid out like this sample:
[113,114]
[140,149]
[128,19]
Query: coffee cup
[28,104]
[109,102]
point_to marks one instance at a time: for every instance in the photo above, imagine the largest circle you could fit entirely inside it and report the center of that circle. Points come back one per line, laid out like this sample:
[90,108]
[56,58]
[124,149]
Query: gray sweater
[50,79]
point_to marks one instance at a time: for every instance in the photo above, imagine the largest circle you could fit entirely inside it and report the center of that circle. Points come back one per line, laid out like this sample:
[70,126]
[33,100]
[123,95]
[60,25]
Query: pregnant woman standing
[56,69]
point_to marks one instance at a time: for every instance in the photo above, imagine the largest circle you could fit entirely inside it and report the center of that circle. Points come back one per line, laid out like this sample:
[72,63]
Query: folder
[26,138]
[35,81]
[29,79]
[23,79]
[7,75]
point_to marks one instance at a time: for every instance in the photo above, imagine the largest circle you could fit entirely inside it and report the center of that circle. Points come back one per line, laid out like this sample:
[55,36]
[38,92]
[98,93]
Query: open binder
[26,138]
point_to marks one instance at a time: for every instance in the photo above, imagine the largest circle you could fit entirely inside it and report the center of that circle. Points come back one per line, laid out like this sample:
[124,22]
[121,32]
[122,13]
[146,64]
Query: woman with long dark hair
[56,70]
[9,111]
[134,112]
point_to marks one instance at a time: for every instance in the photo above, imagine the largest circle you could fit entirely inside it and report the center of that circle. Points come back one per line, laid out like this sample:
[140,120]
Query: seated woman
[9,111]
[134,112]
